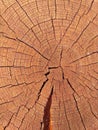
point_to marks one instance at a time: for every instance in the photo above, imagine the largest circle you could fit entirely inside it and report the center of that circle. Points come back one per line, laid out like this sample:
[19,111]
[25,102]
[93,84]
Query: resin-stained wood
[48,64]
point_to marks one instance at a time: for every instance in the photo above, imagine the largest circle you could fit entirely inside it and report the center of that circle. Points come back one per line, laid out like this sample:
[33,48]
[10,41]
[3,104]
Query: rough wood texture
[48,64]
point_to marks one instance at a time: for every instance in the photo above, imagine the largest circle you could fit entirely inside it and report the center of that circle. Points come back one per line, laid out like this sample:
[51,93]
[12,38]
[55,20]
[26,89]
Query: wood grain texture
[48,64]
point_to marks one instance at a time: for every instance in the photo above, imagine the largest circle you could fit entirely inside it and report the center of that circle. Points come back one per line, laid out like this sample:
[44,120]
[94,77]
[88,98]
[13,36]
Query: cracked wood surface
[48,64]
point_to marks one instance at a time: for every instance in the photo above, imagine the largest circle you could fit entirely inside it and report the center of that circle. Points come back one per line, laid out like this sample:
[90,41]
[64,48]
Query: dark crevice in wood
[43,85]
[39,93]
[47,116]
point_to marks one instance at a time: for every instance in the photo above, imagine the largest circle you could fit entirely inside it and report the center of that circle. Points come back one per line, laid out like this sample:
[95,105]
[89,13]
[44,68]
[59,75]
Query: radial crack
[79,112]
[43,85]
[24,11]
[47,117]
[92,2]
[8,122]
[84,57]
[71,86]
[33,48]
[39,93]
[82,32]
[92,111]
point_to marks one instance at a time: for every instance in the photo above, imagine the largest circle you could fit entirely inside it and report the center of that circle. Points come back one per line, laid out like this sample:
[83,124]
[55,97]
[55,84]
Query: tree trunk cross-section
[48,64]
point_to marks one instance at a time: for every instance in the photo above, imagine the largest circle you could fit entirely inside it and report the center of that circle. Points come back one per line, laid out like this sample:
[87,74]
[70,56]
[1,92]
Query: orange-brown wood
[48,64]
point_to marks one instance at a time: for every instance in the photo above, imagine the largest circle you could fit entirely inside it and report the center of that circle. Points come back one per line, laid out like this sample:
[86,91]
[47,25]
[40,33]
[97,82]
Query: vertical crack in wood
[47,115]
[79,112]
[43,85]
[39,93]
